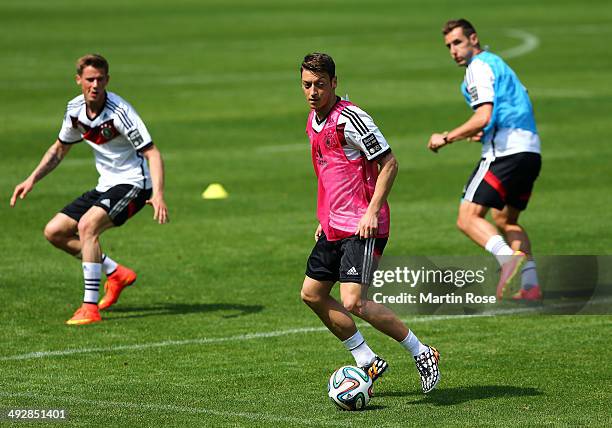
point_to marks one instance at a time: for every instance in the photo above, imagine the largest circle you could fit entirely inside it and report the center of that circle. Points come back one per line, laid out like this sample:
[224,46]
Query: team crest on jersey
[329,140]
[107,133]
[100,134]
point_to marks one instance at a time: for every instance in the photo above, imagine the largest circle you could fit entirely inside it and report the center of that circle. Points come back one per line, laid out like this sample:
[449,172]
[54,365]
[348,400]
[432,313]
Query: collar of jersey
[101,111]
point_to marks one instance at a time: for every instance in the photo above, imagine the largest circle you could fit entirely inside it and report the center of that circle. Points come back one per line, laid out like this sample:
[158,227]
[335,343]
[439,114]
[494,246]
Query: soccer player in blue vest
[502,182]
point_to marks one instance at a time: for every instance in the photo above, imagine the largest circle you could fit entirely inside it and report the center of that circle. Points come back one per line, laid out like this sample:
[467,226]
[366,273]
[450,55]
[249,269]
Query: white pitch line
[529,43]
[202,341]
[168,408]
[279,333]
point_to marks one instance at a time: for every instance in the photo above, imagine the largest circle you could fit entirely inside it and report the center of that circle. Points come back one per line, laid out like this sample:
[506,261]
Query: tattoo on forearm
[52,159]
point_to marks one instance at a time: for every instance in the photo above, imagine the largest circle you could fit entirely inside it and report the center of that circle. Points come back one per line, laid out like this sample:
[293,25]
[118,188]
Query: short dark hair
[93,60]
[318,62]
[468,28]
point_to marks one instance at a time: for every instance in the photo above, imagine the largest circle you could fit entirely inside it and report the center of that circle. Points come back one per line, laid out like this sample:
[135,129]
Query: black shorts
[502,181]
[351,259]
[120,202]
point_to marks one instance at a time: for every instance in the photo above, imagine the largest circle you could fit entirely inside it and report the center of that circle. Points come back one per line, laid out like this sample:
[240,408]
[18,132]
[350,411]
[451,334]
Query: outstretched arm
[368,225]
[156,165]
[472,128]
[49,161]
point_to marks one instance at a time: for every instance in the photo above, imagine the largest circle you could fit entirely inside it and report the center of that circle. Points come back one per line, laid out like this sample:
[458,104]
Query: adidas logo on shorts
[352,271]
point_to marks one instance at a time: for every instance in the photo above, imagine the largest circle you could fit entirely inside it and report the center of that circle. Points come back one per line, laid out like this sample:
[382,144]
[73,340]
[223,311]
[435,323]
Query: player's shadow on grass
[452,396]
[374,407]
[228,310]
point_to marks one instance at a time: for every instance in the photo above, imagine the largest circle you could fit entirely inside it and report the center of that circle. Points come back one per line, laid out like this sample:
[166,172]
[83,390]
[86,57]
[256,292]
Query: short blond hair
[91,60]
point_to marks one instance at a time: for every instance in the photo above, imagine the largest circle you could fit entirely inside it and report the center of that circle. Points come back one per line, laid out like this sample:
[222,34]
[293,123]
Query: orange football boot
[88,313]
[114,285]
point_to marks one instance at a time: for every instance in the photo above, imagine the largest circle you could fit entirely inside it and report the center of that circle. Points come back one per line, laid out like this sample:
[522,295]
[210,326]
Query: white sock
[497,246]
[359,348]
[108,264]
[529,275]
[91,276]
[413,344]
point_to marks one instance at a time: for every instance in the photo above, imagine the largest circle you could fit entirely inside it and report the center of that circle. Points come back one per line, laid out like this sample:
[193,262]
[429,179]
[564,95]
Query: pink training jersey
[346,182]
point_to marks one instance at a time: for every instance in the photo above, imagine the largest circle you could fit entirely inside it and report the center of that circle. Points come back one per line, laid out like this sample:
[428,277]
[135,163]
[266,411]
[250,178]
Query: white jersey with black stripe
[117,136]
[361,134]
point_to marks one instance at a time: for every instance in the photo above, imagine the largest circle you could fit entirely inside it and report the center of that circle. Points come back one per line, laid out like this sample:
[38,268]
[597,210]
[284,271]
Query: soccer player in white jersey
[124,152]
[504,123]
[355,169]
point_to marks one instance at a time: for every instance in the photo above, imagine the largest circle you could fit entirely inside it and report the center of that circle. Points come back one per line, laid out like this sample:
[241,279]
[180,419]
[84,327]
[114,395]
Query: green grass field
[214,332]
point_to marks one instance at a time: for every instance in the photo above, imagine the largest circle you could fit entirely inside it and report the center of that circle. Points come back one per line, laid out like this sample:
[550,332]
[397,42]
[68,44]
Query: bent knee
[86,227]
[354,306]
[53,233]
[465,220]
[50,233]
[309,297]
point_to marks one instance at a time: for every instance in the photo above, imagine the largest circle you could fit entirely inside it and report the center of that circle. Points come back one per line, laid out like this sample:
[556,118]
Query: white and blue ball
[350,388]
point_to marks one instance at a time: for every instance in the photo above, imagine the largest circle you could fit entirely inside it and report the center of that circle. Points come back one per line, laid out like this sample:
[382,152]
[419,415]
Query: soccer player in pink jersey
[355,169]
[124,153]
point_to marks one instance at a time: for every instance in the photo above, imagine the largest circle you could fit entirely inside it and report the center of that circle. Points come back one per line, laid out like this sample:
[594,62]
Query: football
[350,388]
